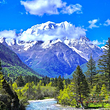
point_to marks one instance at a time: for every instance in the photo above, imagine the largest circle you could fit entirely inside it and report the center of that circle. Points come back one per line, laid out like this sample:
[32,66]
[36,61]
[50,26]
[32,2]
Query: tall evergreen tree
[20,81]
[81,85]
[55,82]
[91,70]
[60,84]
[104,62]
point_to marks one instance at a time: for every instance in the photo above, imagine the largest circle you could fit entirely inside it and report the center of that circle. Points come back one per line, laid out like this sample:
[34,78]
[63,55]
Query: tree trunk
[81,101]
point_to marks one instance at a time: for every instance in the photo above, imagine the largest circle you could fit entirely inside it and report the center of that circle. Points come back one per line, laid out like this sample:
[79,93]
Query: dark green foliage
[55,82]
[5,102]
[91,71]
[81,85]
[29,78]
[45,80]
[20,81]
[67,81]
[104,62]
[9,96]
[60,84]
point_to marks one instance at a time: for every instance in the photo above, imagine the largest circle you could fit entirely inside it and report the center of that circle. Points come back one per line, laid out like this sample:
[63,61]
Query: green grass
[99,105]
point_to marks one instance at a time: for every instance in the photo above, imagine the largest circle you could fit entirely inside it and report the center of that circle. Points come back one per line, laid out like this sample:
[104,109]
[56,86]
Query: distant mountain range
[59,56]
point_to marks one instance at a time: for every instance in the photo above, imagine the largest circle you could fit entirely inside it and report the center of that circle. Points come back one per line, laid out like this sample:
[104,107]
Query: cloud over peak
[41,7]
[46,31]
[50,31]
[8,34]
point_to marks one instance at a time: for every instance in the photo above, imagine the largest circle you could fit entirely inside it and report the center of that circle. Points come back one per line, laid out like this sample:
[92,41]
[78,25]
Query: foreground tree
[1,77]
[67,96]
[104,62]
[81,85]
[8,97]
[91,70]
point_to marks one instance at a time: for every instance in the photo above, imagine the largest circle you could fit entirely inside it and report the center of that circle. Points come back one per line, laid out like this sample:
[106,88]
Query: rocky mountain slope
[53,49]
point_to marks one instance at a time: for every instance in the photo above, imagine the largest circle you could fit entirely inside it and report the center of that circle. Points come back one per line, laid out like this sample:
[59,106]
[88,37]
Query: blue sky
[92,15]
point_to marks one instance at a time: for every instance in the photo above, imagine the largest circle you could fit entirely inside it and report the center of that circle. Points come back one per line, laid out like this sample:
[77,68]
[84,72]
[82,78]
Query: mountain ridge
[34,51]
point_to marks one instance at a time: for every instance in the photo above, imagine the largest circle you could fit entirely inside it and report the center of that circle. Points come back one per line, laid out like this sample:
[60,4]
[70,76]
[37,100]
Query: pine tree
[81,85]
[55,82]
[20,81]
[104,62]
[60,84]
[91,70]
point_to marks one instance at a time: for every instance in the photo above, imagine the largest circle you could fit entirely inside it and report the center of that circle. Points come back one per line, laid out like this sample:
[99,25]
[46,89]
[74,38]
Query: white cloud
[8,34]
[72,8]
[27,37]
[93,23]
[41,7]
[62,30]
[107,22]
[96,42]
[3,2]
[68,30]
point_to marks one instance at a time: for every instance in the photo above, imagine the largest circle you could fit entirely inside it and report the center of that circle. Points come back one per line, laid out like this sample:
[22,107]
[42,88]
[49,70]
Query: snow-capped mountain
[53,49]
[84,47]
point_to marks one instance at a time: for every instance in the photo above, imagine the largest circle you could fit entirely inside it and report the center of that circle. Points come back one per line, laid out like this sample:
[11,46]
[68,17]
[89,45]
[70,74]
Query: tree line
[92,88]
[88,89]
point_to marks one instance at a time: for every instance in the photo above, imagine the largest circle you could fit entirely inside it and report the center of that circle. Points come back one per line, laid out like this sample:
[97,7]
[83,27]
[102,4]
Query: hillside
[12,65]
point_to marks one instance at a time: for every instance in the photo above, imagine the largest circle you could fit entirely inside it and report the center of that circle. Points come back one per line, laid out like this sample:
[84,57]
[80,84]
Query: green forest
[85,90]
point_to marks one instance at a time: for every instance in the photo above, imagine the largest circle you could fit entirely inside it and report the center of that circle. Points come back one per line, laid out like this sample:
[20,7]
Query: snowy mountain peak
[51,33]
[84,47]
[64,25]
[83,39]
[10,42]
[51,25]
[104,48]
[2,39]
[44,26]
[49,43]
